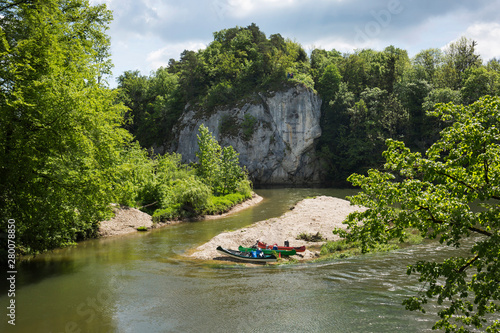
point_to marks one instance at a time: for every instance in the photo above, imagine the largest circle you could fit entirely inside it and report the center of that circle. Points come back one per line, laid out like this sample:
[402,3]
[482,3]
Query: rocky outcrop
[274,135]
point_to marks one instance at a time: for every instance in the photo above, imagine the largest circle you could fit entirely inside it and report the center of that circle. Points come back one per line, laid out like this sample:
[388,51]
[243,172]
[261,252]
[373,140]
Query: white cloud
[145,34]
[160,57]
[246,8]
[338,43]
[487,36]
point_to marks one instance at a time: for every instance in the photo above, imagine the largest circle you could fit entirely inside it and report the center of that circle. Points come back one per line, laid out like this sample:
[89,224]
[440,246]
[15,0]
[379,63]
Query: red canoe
[297,249]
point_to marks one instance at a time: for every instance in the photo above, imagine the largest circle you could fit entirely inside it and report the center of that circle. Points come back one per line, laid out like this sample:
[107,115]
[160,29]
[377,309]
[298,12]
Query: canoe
[297,249]
[247,256]
[268,251]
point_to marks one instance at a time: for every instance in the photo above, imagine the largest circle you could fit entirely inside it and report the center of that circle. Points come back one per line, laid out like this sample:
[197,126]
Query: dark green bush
[166,214]
[218,205]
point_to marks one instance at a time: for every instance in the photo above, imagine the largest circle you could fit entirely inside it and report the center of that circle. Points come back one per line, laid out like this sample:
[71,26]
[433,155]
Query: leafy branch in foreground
[61,134]
[434,194]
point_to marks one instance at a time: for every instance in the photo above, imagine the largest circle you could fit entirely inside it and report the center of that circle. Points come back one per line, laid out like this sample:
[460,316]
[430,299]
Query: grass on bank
[344,249]
[215,205]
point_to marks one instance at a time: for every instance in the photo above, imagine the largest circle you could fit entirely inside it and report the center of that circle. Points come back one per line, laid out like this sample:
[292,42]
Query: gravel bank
[127,220]
[321,214]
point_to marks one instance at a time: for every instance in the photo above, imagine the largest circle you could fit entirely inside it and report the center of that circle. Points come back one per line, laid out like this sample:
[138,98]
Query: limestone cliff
[274,135]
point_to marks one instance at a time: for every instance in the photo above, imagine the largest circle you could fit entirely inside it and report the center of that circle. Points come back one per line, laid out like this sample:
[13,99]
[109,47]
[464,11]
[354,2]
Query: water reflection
[144,283]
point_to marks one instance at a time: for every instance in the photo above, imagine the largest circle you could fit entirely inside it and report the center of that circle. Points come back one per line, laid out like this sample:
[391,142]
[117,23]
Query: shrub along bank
[170,190]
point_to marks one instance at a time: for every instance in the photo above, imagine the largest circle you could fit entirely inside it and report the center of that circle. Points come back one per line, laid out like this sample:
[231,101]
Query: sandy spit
[127,220]
[321,214]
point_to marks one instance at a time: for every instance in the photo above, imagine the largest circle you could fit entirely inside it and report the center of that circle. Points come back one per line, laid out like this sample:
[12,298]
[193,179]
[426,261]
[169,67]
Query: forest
[65,152]
[368,96]
[70,145]
[418,136]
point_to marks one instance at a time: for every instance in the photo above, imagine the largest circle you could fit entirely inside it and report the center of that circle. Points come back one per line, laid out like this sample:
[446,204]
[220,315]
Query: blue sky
[145,34]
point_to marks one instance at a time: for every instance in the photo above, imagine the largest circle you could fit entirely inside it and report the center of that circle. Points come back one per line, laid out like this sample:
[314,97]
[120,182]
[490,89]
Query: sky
[145,34]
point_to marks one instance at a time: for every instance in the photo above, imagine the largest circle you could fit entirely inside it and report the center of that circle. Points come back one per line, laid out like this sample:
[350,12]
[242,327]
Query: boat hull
[297,249]
[246,256]
[269,251]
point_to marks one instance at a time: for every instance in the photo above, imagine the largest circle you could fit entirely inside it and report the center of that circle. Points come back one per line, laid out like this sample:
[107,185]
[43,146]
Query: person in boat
[257,253]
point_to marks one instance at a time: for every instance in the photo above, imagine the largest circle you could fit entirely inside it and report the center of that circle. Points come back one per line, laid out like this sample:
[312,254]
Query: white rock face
[277,149]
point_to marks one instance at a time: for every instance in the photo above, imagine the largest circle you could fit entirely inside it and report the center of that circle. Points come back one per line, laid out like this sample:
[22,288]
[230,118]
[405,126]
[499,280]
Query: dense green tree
[434,195]
[354,130]
[354,70]
[478,82]
[376,117]
[133,93]
[218,167]
[384,68]
[440,95]
[328,83]
[321,59]
[412,94]
[193,78]
[426,63]
[334,141]
[231,173]
[459,57]
[209,157]
[242,62]
[493,65]
[397,63]
[237,63]
[154,102]
[61,137]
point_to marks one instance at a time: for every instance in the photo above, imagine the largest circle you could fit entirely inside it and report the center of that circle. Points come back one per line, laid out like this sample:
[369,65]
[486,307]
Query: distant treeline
[368,96]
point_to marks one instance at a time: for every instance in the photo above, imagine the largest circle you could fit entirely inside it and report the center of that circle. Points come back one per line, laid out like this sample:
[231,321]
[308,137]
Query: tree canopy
[61,132]
[66,150]
[434,194]
[368,95]
[218,166]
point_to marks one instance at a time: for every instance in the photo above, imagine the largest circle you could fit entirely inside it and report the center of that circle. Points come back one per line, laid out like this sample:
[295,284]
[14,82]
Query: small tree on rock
[218,167]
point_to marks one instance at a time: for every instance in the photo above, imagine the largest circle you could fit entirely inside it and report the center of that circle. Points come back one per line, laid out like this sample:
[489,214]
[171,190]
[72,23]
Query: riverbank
[309,216]
[127,219]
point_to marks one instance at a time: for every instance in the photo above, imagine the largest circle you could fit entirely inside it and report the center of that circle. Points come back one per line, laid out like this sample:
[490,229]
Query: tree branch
[467,265]
[481,231]
[474,229]
[496,197]
[151,204]
[457,180]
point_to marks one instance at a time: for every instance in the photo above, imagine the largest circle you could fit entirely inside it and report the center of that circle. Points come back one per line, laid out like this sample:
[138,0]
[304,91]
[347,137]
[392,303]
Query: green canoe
[268,251]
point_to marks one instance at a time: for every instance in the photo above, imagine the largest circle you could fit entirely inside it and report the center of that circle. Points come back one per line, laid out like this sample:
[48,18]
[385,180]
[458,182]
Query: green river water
[145,283]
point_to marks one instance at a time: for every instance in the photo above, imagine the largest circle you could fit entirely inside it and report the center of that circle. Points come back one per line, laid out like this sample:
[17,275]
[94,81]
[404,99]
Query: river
[144,282]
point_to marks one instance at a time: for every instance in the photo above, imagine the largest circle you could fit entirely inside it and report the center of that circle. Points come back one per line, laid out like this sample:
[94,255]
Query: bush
[151,195]
[245,188]
[310,237]
[343,248]
[192,194]
[218,205]
[166,214]
[338,246]
[304,79]
[248,126]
